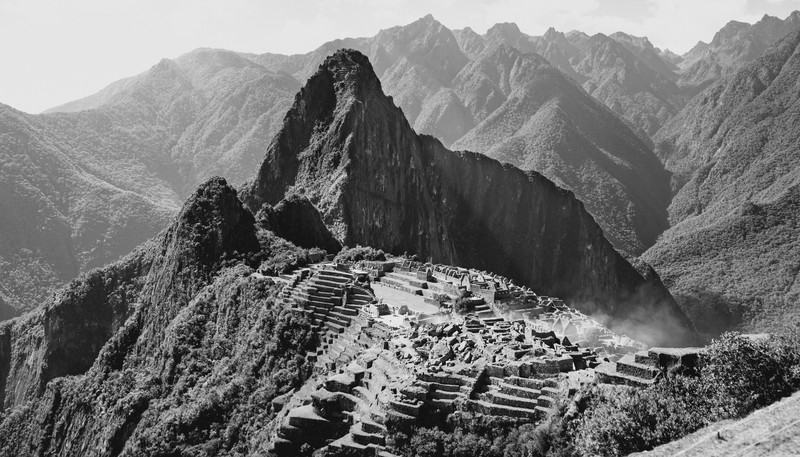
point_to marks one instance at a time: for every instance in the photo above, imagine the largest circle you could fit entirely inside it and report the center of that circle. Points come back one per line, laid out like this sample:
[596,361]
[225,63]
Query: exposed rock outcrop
[376,182]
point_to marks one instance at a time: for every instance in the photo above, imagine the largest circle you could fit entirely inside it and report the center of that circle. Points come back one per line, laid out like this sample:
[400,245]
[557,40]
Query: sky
[55,51]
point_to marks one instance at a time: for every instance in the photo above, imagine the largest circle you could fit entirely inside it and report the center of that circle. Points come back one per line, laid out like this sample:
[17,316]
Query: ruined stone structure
[644,368]
[508,352]
[490,347]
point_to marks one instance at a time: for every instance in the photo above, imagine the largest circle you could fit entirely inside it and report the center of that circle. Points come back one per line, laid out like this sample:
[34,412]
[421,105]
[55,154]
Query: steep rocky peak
[505,31]
[554,35]
[348,72]
[698,47]
[729,31]
[576,35]
[428,19]
[212,223]
[345,79]
[641,42]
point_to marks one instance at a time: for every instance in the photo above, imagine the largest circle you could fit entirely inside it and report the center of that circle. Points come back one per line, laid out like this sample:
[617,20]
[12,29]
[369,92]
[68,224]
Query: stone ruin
[507,352]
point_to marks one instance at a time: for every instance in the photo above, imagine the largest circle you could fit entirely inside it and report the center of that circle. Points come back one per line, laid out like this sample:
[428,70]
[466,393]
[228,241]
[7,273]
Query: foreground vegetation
[736,376]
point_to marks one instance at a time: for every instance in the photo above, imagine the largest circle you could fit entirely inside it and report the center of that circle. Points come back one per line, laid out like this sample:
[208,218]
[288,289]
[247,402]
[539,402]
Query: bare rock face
[377,183]
[297,220]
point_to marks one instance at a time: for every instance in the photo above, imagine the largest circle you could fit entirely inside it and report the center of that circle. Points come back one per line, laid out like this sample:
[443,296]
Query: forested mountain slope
[733,249]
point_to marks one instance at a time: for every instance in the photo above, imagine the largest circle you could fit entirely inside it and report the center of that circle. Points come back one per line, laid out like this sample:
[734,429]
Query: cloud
[772,7]
[632,10]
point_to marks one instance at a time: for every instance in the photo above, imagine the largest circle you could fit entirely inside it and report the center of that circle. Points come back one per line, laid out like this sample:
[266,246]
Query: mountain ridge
[731,251]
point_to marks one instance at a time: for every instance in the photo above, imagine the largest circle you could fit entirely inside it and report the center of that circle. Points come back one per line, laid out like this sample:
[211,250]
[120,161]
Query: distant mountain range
[733,251]
[86,187]
[736,44]
[602,116]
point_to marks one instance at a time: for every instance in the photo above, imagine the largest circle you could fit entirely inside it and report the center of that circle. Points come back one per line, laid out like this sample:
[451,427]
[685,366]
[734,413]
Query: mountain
[215,110]
[536,118]
[443,82]
[89,183]
[71,201]
[181,347]
[162,352]
[624,72]
[732,253]
[461,87]
[639,90]
[735,44]
[649,54]
[350,151]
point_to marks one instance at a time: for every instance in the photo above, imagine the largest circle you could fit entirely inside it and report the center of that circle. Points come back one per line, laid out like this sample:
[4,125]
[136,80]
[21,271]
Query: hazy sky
[54,51]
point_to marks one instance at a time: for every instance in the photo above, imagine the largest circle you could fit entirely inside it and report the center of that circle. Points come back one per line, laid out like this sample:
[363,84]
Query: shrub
[359,253]
[737,375]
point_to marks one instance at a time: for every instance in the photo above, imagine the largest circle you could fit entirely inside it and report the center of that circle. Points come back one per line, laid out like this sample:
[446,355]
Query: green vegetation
[465,435]
[278,256]
[736,376]
[360,253]
[219,400]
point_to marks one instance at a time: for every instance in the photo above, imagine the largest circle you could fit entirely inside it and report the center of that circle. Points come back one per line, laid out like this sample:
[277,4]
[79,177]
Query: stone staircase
[518,397]
[404,281]
[332,302]
[643,368]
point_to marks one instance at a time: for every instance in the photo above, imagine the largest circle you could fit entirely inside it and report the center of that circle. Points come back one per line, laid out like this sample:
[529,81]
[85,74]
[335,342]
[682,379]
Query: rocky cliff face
[732,251]
[376,182]
[159,353]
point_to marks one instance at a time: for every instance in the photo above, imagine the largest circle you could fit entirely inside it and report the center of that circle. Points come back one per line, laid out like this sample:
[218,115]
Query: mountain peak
[508,30]
[347,64]
[552,34]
